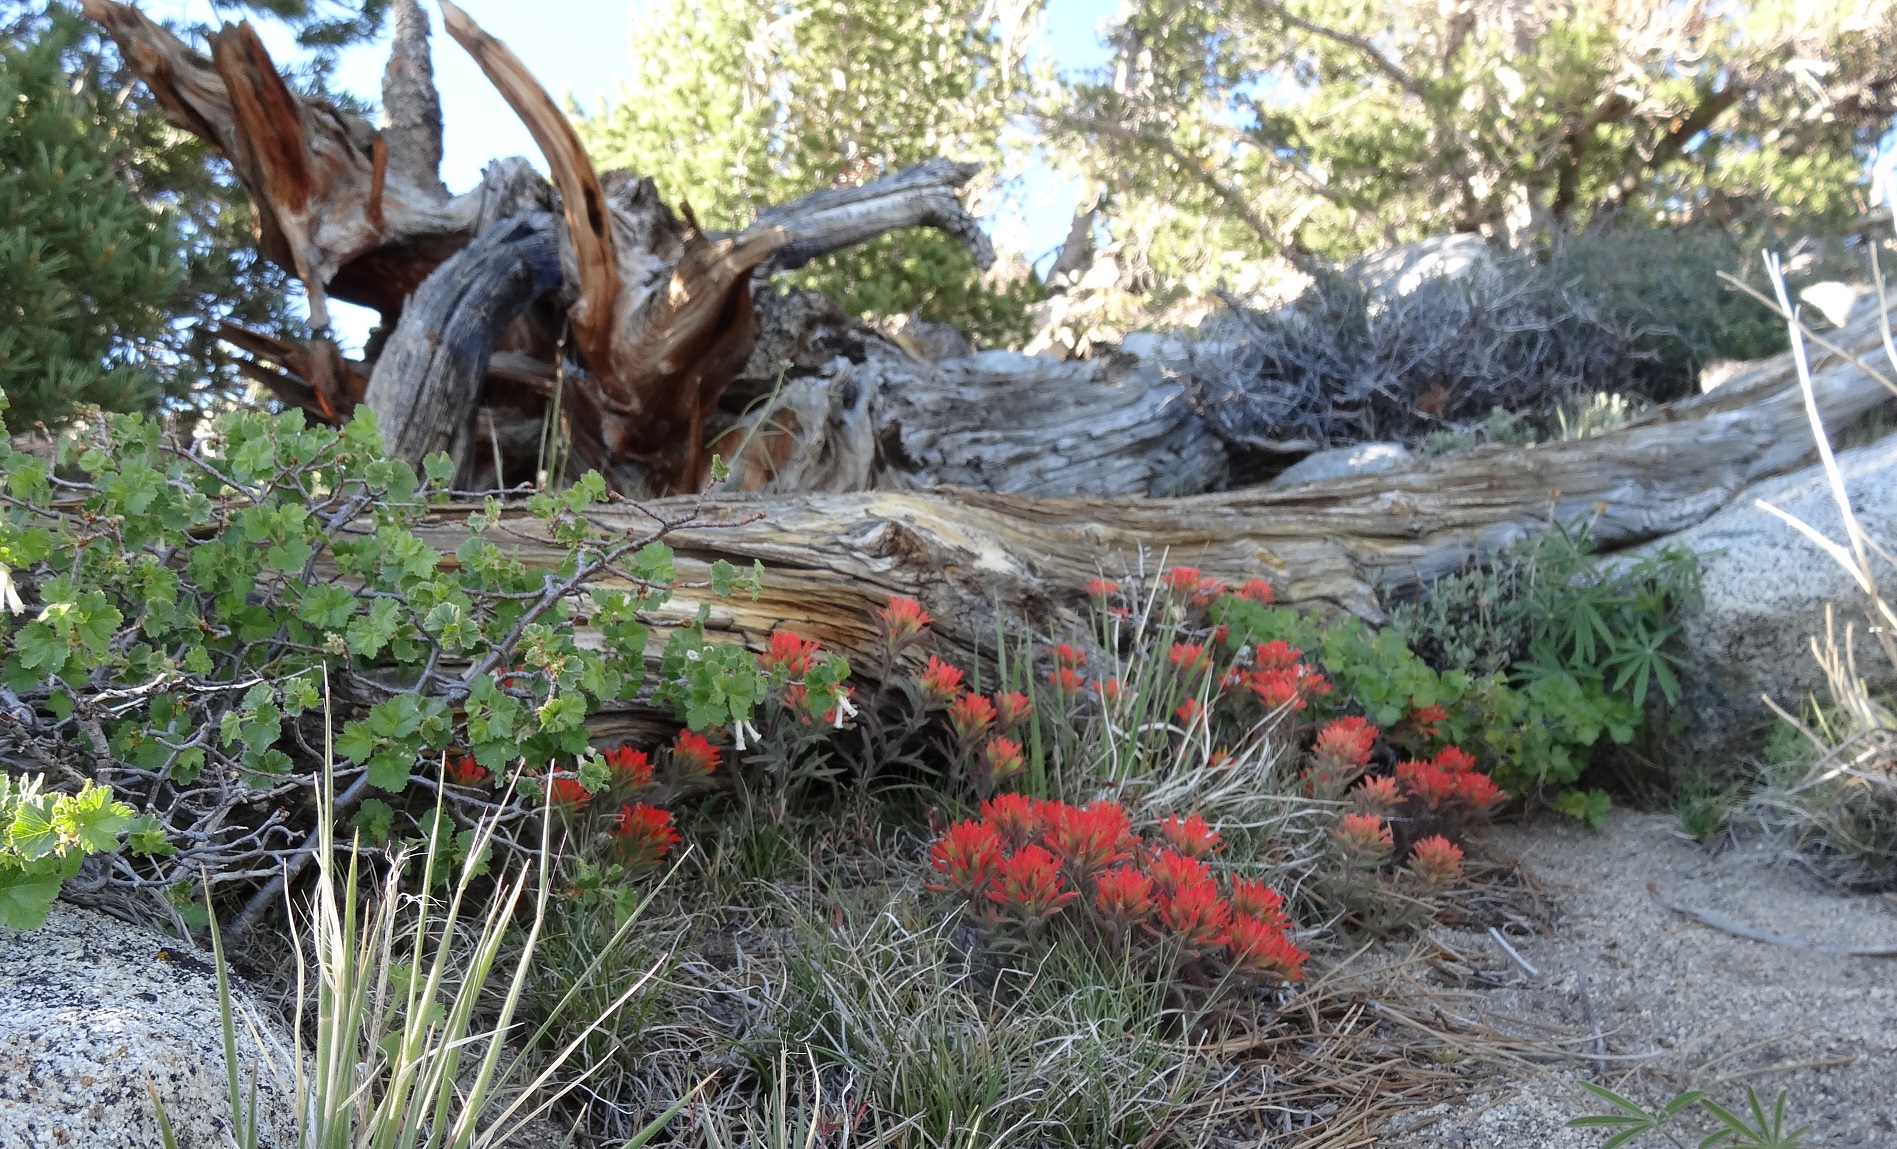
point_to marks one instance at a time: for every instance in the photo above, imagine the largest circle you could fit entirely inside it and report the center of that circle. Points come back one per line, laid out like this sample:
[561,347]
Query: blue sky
[580,49]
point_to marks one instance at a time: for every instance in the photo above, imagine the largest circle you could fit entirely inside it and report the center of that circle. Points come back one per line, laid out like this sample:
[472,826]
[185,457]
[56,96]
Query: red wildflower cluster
[693,755]
[1377,796]
[1280,678]
[1180,580]
[902,622]
[967,855]
[1257,590]
[631,768]
[1189,658]
[1191,835]
[642,835]
[1028,886]
[1018,818]
[1346,741]
[568,794]
[969,717]
[1365,838]
[1339,755]
[1429,719]
[1252,898]
[940,683]
[1436,860]
[1001,759]
[1012,708]
[1088,839]
[465,771]
[1026,860]
[1187,713]
[1449,778]
[1071,656]
[1066,682]
[1102,589]
[788,653]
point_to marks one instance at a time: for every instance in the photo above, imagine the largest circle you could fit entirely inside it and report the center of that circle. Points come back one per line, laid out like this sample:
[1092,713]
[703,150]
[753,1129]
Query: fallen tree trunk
[976,559]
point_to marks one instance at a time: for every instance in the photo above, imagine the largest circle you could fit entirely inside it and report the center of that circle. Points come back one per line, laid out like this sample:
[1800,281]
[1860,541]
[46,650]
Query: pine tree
[86,268]
[734,105]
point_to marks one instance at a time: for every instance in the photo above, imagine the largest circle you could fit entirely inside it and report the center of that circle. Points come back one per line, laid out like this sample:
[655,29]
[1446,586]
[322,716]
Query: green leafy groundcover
[1563,659]
[181,614]
[184,608]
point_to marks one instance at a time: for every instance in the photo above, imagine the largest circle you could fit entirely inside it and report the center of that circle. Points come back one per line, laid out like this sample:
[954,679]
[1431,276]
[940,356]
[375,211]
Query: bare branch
[582,201]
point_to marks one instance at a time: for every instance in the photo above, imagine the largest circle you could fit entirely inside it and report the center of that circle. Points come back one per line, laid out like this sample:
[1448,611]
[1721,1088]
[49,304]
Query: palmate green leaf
[26,898]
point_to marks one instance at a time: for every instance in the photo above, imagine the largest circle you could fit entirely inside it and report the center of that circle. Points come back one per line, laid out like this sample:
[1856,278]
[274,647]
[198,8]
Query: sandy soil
[1715,1011]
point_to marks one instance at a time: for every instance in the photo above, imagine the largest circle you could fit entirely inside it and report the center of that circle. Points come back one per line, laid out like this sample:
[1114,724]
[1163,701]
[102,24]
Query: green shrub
[183,606]
[86,268]
[46,836]
[1663,285]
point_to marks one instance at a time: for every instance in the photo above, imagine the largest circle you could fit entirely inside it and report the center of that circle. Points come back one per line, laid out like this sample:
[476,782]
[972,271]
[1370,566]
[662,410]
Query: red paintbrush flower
[1365,838]
[1276,655]
[788,653]
[1089,839]
[1454,760]
[1426,783]
[1002,758]
[969,717]
[1172,871]
[1436,860]
[568,794]
[1198,915]
[1188,657]
[1066,682]
[465,771]
[1018,818]
[1207,590]
[1065,655]
[693,755]
[1187,712]
[1191,835]
[940,683]
[1102,589]
[1346,741]
[1478,791]
[642,836]
[901,622]
[1012,708]
[1124,897]
[1180,580]
[1261,950]
[631,768]
[1257,590]
[1276,689]
[967,855]
[1028,886]
[1260,902]
[1110,691]
[1377,796]
[1428,718]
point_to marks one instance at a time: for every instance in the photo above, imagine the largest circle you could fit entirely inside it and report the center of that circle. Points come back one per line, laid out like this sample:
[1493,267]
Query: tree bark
[979,560]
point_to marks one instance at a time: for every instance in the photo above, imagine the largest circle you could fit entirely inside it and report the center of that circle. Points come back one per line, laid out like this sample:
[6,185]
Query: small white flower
[9,597]
[844,710]
[740,728]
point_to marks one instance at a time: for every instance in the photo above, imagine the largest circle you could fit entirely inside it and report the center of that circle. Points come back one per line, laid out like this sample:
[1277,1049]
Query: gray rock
[1399,270]
[1336,463]
[94,1009]
[1766,589]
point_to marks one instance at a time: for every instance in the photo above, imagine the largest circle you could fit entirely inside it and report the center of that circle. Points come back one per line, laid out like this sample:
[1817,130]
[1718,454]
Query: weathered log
[972,556]
[661,311]
[426,382]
